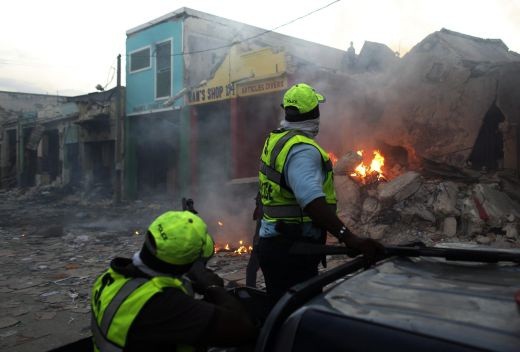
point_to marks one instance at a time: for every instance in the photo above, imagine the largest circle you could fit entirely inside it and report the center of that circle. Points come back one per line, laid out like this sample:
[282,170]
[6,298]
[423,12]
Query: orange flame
[374,167]
[241,249]
[220,223]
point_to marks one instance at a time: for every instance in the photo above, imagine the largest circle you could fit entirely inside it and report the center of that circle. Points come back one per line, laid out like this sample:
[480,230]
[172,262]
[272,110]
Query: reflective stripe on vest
[278,201]
[116,301]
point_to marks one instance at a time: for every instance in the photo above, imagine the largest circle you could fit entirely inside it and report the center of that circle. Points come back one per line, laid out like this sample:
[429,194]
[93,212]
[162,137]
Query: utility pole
[118,160]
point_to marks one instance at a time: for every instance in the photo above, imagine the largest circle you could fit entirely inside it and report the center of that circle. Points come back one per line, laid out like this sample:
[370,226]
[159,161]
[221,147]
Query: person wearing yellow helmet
[296,185]
[147,303]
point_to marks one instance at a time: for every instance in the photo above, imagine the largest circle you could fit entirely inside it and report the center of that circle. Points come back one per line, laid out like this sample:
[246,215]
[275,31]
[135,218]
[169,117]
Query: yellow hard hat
[176,238]
[303,97]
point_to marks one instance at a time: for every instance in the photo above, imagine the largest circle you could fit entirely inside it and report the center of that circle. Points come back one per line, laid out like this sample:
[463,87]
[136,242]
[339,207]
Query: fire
[374,168]
[242,248]
[220,223]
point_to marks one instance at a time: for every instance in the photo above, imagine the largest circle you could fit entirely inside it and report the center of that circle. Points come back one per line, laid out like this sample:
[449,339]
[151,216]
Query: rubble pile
[415,207]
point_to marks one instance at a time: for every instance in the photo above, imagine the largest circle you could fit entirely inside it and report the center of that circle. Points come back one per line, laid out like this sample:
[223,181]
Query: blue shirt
[304,174]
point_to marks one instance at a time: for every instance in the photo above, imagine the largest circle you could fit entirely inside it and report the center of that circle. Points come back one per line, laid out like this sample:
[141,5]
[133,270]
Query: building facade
[202,94]
[65,141]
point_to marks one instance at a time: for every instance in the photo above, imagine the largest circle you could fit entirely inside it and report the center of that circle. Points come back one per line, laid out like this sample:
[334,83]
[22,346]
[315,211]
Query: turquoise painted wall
[140,86]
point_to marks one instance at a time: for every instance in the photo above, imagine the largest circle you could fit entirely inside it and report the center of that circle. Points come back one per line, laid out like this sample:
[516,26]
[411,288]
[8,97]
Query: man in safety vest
[146,303]
[297,191]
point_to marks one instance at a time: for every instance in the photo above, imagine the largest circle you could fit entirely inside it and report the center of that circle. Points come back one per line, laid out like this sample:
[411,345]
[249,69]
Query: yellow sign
[243,74]
[260,87]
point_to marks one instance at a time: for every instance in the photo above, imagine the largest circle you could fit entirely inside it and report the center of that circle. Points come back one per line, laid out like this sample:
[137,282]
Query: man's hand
[202,278]
[371,249]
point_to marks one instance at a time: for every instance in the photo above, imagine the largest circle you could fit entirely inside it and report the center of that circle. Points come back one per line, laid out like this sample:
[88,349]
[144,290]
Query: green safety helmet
[302,97]
[176,239]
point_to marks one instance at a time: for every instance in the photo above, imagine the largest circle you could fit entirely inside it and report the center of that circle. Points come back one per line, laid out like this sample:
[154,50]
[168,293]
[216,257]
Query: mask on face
[309,127]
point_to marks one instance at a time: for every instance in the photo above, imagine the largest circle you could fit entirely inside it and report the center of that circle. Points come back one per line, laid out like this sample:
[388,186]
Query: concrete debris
[412,206]
[482,239]
[494,206]
[511,230]
[347,163]
[446,199]
[348,197]
[450,226]
[399,188]
[371,206]
[376,232]
[420,211]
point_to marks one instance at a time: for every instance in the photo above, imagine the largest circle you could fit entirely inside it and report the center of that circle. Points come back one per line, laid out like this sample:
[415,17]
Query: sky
[68,47]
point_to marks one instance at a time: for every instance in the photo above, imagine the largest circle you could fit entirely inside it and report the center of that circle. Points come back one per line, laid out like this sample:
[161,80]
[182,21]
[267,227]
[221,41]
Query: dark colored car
[417,302]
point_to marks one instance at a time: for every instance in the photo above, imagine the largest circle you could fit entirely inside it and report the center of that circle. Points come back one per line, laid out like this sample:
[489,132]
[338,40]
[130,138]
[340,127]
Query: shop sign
[211,94]
[261,87]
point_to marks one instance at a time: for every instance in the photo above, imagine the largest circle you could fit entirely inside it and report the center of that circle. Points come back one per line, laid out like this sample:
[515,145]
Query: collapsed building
[446,120]
[55,140]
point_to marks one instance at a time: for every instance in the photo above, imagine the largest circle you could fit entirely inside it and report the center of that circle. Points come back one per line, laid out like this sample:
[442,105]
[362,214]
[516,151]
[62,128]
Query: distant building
[57,140]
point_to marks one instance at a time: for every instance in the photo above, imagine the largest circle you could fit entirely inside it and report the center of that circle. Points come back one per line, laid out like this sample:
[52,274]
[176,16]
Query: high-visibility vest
[278,200]
[117,300]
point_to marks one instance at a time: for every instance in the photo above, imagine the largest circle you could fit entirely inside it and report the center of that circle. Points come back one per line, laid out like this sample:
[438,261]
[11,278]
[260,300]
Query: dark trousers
[253,265]
[282,270]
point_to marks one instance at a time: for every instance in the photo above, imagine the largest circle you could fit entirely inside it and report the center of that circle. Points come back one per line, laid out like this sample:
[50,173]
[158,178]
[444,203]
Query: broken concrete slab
[484,239]
[399,188]
[370,208]
[418,210]
[446,199]
[449,227]
[347,163]
[376,232]
[348,197]
[511,230]
[494,205]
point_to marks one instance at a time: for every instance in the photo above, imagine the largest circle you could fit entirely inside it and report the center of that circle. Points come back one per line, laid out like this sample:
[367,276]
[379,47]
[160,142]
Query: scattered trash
[73,294]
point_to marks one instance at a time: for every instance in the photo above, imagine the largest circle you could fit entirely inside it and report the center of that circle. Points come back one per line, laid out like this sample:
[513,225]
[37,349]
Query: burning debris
[418,205]
[241,248]
[369,171]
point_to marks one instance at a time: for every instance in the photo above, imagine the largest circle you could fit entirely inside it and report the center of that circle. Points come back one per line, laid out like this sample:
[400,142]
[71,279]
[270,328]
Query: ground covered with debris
[53,244]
